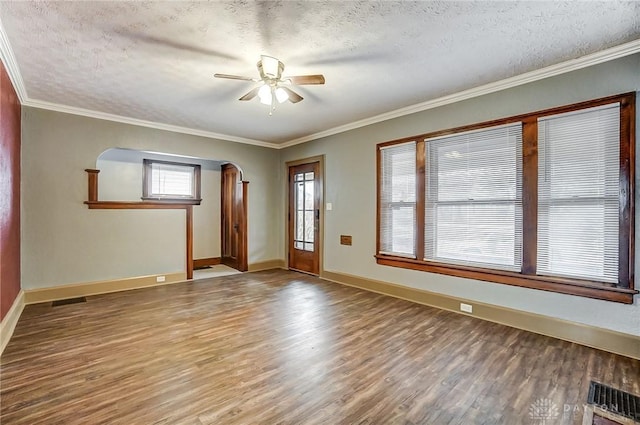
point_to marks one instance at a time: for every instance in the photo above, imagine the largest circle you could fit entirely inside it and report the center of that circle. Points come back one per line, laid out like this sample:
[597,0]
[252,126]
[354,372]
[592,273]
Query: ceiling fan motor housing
[270,68]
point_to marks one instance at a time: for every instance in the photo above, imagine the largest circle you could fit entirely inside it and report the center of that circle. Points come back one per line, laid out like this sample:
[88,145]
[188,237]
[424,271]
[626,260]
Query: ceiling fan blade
[171,43]
[234,77]
[300,80]
[251,94]
[293,96]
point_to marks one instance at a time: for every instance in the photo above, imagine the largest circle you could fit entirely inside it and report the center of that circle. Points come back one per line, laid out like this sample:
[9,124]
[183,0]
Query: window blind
[578,189]
[473,202]
[398,199]
[172,180]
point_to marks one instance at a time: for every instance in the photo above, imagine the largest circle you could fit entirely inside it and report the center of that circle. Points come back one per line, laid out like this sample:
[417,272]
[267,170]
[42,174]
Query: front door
[304,217]
[234,214]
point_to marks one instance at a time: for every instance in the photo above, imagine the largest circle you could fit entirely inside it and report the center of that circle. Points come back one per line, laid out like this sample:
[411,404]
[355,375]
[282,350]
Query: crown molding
[9,61]
[143,123]
[8,58]
[612,53]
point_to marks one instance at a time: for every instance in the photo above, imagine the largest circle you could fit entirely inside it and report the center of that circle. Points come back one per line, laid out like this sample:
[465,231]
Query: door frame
[242,212]
[320,160]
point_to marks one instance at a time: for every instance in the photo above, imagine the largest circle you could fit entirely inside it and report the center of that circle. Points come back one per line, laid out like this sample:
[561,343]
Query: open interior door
[234,218]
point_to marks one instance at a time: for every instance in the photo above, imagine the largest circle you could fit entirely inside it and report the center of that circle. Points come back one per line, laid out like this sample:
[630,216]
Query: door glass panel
[300,225]
[304,215]
[308,195]
[308,226]
[300,196]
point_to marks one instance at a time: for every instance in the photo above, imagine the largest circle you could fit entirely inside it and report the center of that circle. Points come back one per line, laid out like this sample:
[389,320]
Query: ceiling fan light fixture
[281,95]
[265,95]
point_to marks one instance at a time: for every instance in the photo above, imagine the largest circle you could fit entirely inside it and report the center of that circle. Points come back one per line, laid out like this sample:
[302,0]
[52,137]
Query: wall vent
[69,301]
[614,401]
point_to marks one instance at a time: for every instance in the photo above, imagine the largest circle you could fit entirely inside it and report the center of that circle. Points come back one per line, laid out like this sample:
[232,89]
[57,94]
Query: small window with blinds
[578,188]
[542,200]
[474,198]
[170,180]
[398,199]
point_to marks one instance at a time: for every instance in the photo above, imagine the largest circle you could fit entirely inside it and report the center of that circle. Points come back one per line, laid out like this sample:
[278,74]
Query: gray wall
[350,185]
[64,242]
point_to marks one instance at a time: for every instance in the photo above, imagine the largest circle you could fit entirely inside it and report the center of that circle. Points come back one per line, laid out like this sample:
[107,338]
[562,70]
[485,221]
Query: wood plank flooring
[279,347]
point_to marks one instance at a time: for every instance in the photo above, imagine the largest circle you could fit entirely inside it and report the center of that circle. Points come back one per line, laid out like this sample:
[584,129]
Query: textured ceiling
[155,61]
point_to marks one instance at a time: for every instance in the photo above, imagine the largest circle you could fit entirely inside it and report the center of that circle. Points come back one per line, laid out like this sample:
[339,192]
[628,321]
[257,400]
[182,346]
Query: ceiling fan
[274,87]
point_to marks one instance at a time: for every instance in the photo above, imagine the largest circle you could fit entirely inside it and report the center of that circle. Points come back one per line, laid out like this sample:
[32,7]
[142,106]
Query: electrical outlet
[160,278]
[467,308]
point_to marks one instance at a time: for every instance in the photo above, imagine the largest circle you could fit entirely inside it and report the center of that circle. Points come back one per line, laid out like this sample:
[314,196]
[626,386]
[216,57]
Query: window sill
[583,288]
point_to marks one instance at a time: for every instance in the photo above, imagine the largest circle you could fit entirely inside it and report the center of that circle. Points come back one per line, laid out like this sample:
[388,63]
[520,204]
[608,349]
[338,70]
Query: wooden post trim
[92,195]
[189,211]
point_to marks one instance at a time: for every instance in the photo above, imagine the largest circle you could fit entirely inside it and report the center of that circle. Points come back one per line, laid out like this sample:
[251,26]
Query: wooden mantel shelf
[157,204]
[142,205]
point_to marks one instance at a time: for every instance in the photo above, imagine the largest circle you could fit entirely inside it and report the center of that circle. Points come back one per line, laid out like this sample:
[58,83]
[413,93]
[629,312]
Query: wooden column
[243,248]
[189,211]
[93,184]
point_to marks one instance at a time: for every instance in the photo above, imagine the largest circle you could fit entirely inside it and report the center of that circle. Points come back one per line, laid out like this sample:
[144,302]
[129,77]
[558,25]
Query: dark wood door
[304,217]
[234,213]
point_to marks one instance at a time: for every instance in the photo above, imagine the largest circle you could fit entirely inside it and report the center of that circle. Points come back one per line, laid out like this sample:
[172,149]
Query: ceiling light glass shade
[270,66]
[265,95]
[281,95]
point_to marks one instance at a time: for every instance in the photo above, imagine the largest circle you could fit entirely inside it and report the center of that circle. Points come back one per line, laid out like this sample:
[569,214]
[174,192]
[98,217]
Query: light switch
[329,206]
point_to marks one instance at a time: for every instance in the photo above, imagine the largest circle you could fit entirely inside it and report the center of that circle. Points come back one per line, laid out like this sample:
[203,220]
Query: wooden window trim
[583,288]
[622,292]
[146,182]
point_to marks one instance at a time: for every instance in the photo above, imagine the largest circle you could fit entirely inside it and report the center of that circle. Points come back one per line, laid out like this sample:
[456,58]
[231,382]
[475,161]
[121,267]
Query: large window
[170,180]
[398,199]
[578,188]
[542,200]
[474,198]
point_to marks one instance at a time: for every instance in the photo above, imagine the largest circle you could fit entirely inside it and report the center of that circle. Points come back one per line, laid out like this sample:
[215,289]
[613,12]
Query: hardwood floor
[280,347]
